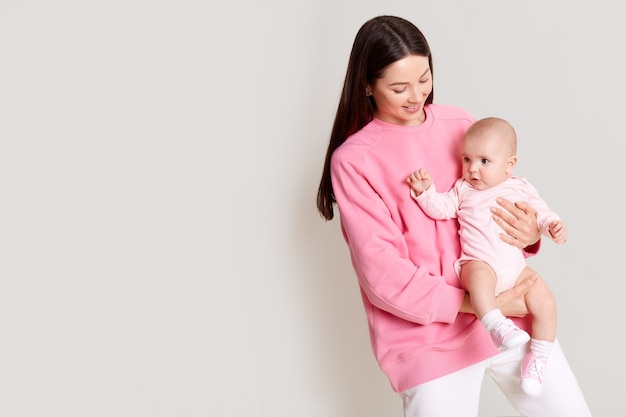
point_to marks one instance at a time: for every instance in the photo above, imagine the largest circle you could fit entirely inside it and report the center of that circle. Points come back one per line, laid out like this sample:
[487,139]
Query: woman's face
[402,90]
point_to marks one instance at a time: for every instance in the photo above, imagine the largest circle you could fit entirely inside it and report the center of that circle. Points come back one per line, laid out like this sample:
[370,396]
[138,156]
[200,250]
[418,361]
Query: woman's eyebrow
[406,82]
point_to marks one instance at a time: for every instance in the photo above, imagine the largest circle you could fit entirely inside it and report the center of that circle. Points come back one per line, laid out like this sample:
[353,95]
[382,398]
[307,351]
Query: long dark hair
[381,41]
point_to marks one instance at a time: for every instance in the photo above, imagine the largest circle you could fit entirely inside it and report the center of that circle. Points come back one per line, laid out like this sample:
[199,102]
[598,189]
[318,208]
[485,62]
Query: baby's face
[486,162]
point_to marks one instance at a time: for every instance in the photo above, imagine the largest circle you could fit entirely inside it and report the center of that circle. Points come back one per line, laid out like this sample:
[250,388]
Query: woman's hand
[519,222]
[512,302]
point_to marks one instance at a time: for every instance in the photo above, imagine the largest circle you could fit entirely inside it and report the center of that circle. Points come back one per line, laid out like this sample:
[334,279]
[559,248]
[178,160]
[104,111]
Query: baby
[487,264]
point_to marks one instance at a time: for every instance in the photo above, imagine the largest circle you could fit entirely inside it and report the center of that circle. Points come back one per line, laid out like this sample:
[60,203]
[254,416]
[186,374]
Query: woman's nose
[416,94]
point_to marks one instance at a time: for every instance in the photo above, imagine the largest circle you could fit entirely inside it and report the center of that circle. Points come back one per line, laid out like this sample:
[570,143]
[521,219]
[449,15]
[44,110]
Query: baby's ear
[510,164]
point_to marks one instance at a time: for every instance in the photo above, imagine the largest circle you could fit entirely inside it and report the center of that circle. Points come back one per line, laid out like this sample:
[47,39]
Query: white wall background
[161,254]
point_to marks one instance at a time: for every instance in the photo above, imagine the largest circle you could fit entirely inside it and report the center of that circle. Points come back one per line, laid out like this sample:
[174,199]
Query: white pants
[457,394]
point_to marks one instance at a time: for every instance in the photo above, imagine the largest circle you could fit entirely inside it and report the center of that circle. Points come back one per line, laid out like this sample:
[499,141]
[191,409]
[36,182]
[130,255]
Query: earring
[367,93]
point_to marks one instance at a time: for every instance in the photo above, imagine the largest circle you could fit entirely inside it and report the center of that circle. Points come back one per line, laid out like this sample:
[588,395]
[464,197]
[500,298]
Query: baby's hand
[558,231]
[419,181]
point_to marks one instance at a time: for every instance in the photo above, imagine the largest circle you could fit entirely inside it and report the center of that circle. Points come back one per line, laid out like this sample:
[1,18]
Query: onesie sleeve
[439,206]
[545,215]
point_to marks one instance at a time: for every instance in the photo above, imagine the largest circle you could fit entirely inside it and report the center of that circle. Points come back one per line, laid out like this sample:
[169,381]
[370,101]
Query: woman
[434,353]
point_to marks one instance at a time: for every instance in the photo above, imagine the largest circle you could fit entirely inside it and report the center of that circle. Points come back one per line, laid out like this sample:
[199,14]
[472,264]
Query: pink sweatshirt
[402,258]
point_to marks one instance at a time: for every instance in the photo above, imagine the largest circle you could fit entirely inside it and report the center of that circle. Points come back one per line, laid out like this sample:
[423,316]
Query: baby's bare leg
[479,280]
[542,305]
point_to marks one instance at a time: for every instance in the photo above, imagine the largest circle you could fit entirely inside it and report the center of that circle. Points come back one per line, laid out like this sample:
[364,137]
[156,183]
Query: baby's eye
[484,161]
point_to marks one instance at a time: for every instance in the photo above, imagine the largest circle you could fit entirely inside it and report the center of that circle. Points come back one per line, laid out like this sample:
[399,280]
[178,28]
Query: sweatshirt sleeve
[380,256]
